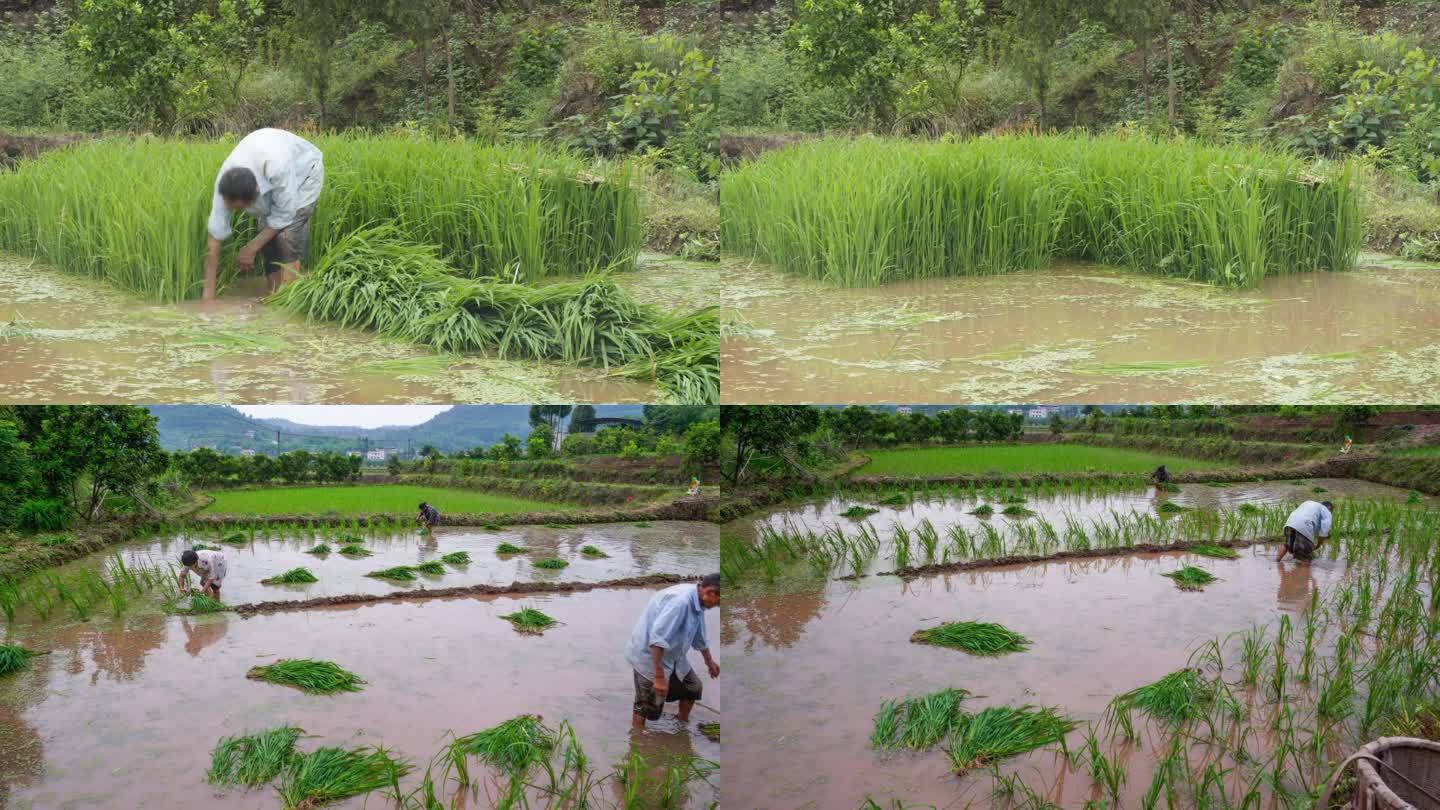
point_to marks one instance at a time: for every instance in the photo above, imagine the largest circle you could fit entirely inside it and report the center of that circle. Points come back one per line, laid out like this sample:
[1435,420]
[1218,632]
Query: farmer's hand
[245,257]
[714,668]
[661,685]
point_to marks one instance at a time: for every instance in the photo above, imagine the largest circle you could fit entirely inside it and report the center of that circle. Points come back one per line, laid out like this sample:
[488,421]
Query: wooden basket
[1392,773]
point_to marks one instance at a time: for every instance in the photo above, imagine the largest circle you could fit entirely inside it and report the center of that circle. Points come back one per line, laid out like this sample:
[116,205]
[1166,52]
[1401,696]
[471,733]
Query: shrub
[43,515]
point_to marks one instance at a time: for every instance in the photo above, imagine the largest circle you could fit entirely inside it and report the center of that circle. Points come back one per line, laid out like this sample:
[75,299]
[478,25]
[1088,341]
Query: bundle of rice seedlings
[252,760]
[318,548]
[355,551]
[1318,490]
[978,638]
[14,658]
[641,524]
[374,278]
[1208,550]
[1167,486]
[1016,511]
[235,539]
[711,731]
[894,499]
[512,746]
[204,547]
[591,551]
[510,548]
[1190,578]
[308,675]
[347,539]
[294,576]
[1249,509]
[1177,697]
[983,510]
[552,563]
[1171,507]
[431,567]
[403,573]
[857,511]
[330,774]
[920,722]
[195,604]
[456,558]
[530,620]
[1004,731]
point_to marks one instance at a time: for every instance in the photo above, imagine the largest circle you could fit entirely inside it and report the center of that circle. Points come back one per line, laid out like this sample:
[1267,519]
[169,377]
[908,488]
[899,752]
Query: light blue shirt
[1311,519]
[674,621]
[289,171]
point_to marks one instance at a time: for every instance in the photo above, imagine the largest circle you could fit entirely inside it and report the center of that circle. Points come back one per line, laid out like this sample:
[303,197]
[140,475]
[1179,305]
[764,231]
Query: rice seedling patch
[857,511]
[400,573]
[397,499]
[1167,486]
[983,510]
[456,558]
[14,658]
[1000,732]
[511,548]
[235,539]
[920,722]
[552,563]
[435,567]
[1016,511]
[1218,552]
[329,774]
[591,551]
[1180,696]
[251,760]
[308,675]
[204,547]
[318,548]
[1023,458]
[1190,578]
[1170,508]
[295,576]
[530,620]
[977,638]
[895,499]
[355,551]
[349,539]
[711,731]
[1318,490]
[193,604]
[511,747]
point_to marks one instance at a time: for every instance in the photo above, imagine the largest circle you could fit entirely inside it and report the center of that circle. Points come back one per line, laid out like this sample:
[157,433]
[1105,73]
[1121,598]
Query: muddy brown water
[65,338]
[124,713]
[1084,333]
[815,666]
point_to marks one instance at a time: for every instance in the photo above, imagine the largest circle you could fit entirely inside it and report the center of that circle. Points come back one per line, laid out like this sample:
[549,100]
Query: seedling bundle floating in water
[355,551]
[1218,552]
[513,746]
[1190,578]
[552,563]
[530,620]
[858,512]
[308,675]
[295,576]
[510,548]
[195,603]
[251,760]
[920,722]
[1000,732]
[871,211]
[1182,695]
[456,558]
[431,567]
[330,774]
[318,548]
[14,658]
[978,638]
[403,573]
[591,551]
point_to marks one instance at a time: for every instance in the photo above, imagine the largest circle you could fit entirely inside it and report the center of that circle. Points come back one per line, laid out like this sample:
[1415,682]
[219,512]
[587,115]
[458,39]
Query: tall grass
[871,211]
[133,211]
[376,278]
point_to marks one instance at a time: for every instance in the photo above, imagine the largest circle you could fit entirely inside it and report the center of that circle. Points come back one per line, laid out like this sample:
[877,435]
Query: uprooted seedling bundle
[306,780]
[14,658]
[295,576]
[974,739]
[1175,698]
[375,279]
[1190,578]
[977,638]
[530,620]
[308,675]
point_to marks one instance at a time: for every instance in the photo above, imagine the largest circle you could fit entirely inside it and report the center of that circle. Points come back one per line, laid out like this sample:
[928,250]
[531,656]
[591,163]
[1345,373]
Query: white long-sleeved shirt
[1311,519]
[289,170]
[674,621]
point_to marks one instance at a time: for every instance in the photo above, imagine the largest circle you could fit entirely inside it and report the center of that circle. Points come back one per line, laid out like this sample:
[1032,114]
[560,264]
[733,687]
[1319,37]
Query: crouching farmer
[276,178]
[1307,529]
[672,625]
[208,565]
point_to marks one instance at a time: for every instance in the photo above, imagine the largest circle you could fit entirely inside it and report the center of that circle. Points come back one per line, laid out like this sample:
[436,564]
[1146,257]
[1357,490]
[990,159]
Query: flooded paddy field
[1084,333]
[1293,666]
[72,339]
[123,712]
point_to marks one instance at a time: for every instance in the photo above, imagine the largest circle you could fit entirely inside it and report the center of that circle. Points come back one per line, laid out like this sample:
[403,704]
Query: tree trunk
[425,73]
[1145,75]
[1172,91]
[449,80]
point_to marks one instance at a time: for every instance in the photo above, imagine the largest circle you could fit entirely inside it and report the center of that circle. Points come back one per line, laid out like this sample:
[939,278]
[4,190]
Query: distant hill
[227,430]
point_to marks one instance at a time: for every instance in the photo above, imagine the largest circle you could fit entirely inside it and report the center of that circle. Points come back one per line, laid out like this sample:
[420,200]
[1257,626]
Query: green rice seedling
[1218,552]
[641,524]
[1190,578]
[1170,507]
[318,548]
[1250,509]
[456,558]
[1015,511]
[1000,732]
[329,774]
[977,638]
[492,527]
[235,539]
[512,747]
[349,538]
[1318,490]
[510,548]
[1181,696]
[204,547]
[558,525]
[1412,498]
[858,512]
[355,551]
[1167,486]
[929,538]
[14,658]
[308,675]
[711,731]
[1225,215]
[434,567]
[252,760]
[402,573]
[591,551]
[983,510]
[920,722]
[294,576]
[530,620]
[551,563]
[196,603]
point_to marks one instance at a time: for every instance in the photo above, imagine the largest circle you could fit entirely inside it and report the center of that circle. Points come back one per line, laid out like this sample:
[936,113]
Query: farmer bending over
[673,624]
[1306,530]
[1160,476]
[275,177]
[208,564]
[429,516]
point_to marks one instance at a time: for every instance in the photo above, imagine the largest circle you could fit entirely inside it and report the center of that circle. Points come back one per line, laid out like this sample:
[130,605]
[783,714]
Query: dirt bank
[15,148]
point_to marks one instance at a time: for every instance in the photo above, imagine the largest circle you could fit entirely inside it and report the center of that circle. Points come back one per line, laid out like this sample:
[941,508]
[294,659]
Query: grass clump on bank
[1228,215]
[1218,552]
[977,638]
[512,746]
[402,573]
[377,279]
[591,551]
[530,620]
[456,558]
[1190,578]
[552,563]
[1175,698]
[920,722]
[330,774]
[1003,731]
[308,675]
[511,548]
[295,576]
[252,760]
[14,658]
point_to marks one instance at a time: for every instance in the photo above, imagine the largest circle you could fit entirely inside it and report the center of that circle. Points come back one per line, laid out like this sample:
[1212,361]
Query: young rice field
[356,500]
[1021,458]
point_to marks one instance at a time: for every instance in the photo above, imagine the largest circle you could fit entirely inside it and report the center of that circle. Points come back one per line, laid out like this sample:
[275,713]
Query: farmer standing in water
[275,177]
[208,564]
[672,625]
[1306,530]
[428,517]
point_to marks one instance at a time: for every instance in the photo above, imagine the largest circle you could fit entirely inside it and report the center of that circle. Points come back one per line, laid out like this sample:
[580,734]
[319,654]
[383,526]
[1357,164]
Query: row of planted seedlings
[1259,717]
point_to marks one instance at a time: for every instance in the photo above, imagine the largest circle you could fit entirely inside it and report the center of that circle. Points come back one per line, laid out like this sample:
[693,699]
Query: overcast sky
[369,416]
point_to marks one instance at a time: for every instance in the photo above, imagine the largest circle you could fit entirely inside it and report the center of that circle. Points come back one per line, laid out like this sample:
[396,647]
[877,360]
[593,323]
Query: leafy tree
[580,416]
[85,453]
[294,466]
[702,444]
[319,25]
[550,415]
[393,465]
[507,449]
[752,430]
[677,418]
[538,444]
[1037,26]
[1352,418]
[262,469]
[1057,423]
[15,470]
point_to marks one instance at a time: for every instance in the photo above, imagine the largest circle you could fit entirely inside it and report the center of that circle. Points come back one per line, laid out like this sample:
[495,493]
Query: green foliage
[906,210]
[87,453]
[1395,106]
[14,658]
[43,515]
[252,760]
[308,675]
[1180,696]
[511,747]
[977,638]
[1256,56]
